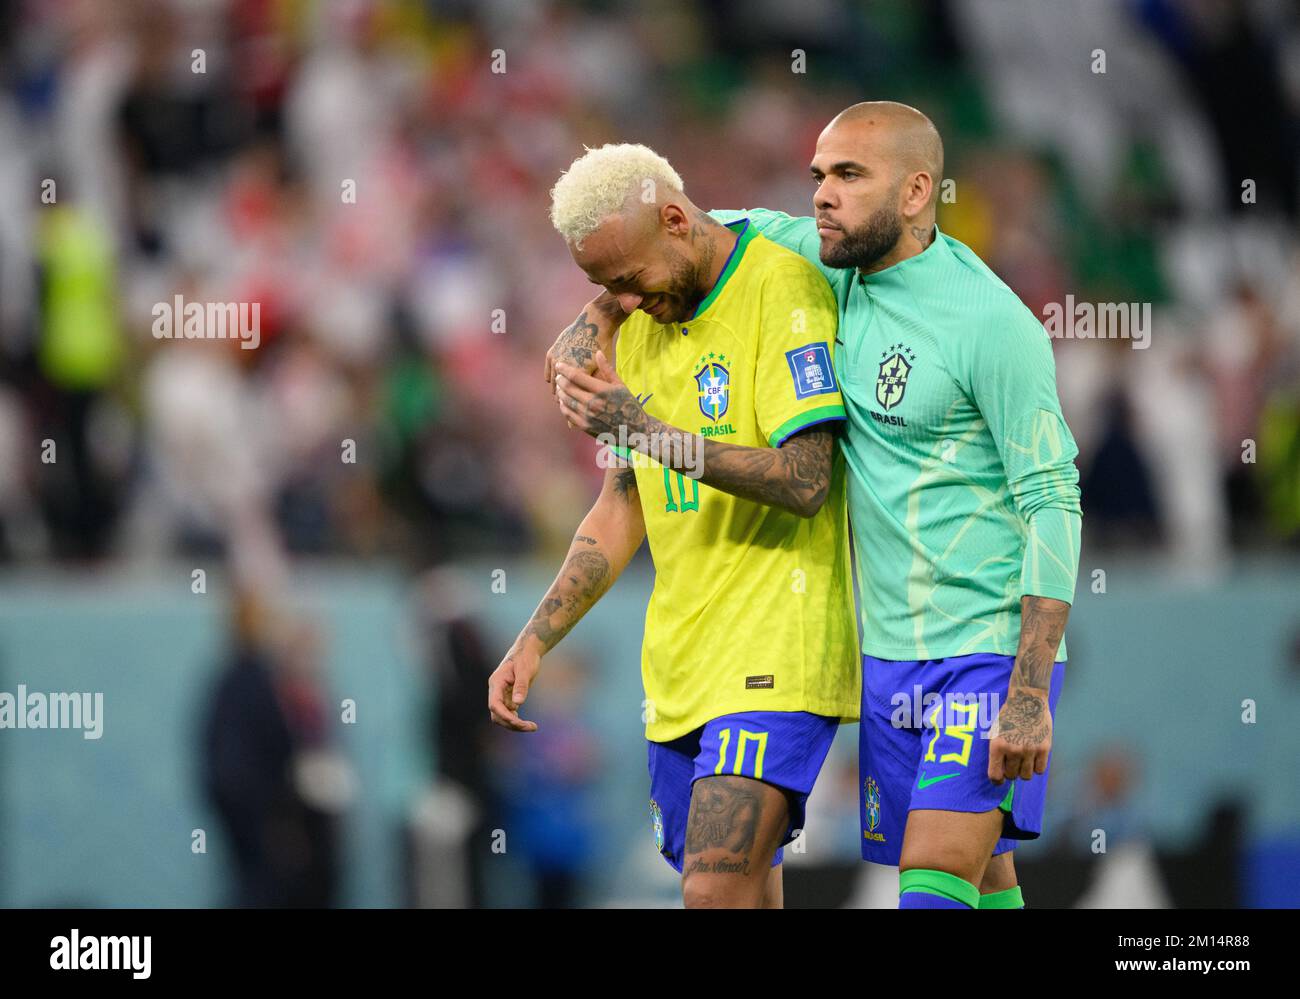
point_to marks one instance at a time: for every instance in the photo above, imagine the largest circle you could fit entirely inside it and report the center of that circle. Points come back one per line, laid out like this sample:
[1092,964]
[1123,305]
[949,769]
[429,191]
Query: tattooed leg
[732,833]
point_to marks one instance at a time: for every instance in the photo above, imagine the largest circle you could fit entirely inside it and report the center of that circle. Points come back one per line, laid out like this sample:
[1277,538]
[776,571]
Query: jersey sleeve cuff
[804,420]
[1065,594]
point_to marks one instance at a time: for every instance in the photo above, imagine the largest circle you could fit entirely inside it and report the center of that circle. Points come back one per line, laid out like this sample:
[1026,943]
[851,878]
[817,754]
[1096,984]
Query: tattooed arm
[795,476]
[1022,736]
[593,330]
[606,541]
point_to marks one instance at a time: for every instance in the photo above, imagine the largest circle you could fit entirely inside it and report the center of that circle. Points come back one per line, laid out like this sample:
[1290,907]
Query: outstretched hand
[508,688]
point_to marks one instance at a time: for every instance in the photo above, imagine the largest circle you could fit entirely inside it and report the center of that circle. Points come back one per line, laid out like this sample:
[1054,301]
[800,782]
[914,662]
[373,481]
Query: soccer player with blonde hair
[722,411]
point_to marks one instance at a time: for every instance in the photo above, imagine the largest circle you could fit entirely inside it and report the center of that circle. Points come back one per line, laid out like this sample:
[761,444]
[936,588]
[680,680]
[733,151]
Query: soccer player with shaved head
[963,503]
[722,412]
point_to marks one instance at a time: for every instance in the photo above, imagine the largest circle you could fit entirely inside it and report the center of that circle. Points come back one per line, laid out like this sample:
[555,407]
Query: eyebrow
[843,165]
[621,279]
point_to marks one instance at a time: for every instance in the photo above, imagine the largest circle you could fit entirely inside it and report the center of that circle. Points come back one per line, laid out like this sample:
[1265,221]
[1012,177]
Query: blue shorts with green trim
[783,748]
[923,743]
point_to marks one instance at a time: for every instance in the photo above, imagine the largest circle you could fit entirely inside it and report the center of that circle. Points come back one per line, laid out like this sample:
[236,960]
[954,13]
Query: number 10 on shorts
[745,737]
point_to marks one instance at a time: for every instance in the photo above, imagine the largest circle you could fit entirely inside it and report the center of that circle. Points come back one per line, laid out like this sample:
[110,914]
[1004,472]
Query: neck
[714,245]
[913,241]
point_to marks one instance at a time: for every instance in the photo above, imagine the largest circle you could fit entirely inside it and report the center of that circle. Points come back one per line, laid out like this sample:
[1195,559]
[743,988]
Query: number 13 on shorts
[963,732]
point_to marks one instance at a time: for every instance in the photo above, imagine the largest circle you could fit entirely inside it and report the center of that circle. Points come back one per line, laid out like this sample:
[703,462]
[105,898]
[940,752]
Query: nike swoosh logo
[922,783]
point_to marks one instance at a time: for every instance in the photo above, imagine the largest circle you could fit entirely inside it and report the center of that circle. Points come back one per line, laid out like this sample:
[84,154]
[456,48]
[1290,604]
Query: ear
[916,194]
[674,219]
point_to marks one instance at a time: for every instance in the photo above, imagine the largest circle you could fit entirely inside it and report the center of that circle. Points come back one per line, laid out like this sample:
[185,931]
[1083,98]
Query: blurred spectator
[1118,498]
[1107,821]
[463,807]
[1249,359]
[269,772]
[79,350]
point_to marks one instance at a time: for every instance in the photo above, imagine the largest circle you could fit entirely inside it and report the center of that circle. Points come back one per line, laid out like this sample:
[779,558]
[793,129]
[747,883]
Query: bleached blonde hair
[601,182]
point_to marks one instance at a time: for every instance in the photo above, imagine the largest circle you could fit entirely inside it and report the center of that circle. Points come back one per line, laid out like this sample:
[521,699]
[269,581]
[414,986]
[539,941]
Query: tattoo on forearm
[613,408]
[796,476]
[725,814]
[577,344]
[1024,720]
[1042,624]
[582,581]
[625,484]
[1033,668]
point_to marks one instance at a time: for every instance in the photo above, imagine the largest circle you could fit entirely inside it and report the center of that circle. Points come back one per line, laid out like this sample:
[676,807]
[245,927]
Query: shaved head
[877,167]
[911,140]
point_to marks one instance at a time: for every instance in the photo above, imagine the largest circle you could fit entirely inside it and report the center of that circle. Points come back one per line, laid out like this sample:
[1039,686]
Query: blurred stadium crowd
[380,321]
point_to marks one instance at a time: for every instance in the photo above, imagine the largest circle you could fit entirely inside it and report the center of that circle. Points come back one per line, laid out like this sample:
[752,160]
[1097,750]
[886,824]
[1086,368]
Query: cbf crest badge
[895,366]
[714,384]
[871,795]
[657,817]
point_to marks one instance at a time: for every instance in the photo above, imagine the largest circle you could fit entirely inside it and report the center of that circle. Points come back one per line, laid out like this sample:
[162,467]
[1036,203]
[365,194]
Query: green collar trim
[747,234]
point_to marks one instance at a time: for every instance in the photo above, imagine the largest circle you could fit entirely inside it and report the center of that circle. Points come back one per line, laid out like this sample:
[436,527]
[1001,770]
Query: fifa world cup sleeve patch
[810,367]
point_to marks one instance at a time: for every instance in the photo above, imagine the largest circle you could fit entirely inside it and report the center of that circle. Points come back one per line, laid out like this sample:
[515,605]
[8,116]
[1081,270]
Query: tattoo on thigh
[701,866]
[725,812]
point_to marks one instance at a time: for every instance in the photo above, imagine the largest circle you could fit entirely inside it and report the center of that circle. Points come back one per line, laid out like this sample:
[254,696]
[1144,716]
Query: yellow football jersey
[752,608]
